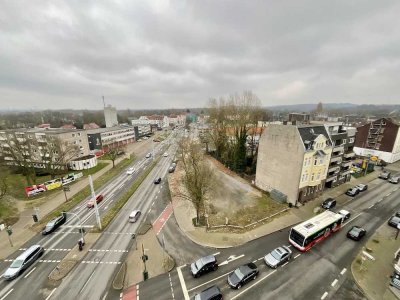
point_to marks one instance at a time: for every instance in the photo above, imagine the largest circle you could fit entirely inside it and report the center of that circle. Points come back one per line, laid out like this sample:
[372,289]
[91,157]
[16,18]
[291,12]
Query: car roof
[27,252]
[207,259]
[343,212]
[211,291]
[134,212]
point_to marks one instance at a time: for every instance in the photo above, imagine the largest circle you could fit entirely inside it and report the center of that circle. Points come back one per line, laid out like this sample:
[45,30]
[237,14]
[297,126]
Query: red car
[99,198]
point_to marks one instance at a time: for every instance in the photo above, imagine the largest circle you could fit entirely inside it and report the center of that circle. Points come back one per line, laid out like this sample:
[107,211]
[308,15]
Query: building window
[73,135]
[315,161]
[312,177]
[344,141]
[351,140]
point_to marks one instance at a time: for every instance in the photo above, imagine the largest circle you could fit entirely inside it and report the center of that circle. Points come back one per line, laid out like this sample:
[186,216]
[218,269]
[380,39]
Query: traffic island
[72,259]
[373,265]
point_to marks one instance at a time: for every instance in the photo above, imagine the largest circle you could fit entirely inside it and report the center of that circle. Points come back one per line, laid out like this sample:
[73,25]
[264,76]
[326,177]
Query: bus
[305,235]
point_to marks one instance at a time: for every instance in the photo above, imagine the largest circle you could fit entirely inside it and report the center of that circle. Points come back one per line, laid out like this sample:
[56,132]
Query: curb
[357,283]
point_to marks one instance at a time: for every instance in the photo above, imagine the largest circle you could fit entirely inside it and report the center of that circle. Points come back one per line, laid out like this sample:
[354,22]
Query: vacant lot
[8,211]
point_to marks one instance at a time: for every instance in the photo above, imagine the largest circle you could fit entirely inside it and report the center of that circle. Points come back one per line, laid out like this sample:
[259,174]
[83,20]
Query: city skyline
[171,54]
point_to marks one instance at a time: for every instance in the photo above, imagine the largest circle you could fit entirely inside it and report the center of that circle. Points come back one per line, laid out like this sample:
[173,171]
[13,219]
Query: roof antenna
[104,103]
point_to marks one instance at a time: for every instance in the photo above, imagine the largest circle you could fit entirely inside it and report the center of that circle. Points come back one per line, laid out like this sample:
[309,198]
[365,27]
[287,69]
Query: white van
[134,216]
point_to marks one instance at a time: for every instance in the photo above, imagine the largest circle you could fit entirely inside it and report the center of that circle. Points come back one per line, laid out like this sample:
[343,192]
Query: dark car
[394,221]
[352,192]
[54,224]
[395,280]
[384,175]
[394,179]
[329,203]
[157,180]
[242,275]
[211,293]
[204,265]
[356,233]
[362,187]
[99,198]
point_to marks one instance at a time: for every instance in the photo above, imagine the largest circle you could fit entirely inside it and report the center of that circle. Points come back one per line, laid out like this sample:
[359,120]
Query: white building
[110,115]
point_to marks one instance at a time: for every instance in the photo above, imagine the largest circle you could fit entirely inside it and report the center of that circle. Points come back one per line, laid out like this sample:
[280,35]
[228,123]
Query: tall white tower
[110,114]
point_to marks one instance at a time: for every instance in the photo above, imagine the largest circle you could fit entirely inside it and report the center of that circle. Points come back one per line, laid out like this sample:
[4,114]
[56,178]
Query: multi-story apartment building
[380,138]
[103,138]
[293,160]
[342,157]
[299,118]
[110,115]
[35,145]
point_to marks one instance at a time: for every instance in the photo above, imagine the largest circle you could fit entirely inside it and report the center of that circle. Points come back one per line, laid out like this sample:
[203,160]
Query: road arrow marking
[230,259]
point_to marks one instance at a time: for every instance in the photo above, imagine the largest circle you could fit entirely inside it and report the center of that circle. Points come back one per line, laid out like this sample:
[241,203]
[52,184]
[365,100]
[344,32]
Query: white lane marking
[297,256]
[48,297]
[183,284]
[216,278]
[245,290]
[215,254]
[343,271]
[86,282]
[4,297]
[230,258]
[388,194]
[334,282]
[324,295]
[30,272]
[285,264]
[170,283]
[371,206]
[352,219]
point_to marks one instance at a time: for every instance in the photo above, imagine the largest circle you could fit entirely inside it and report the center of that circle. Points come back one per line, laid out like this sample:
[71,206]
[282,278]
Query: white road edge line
[216,278]
[297,256]
[334,282]
[215,254]
[30,272]
[343,271]
[324,295]
[245,290]
[183,284]
[4,297]
[48,297]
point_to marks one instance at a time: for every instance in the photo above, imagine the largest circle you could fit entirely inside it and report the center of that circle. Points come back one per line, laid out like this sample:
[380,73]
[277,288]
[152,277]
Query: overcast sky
[171,54]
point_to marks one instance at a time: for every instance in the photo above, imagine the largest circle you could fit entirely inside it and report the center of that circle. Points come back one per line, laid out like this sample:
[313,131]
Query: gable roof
[309,133]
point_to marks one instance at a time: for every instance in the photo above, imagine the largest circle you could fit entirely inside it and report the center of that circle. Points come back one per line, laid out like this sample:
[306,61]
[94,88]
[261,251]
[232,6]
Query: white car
[165,154]
[148,155]
[130,171]
[345,214]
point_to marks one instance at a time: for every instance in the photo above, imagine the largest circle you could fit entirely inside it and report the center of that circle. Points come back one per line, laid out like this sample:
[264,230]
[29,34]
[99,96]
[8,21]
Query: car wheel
[255,276]
[239,286]
[215,267]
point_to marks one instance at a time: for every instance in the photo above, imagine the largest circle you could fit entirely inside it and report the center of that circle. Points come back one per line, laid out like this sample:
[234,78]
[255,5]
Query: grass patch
[202,221]
[110,214]
[84,193]
[8,212]
[100,165]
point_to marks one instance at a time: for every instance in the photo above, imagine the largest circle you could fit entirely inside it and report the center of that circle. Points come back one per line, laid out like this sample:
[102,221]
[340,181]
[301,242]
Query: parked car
[134,216]
[204,265]
[394,179]
[23,261]
[148,155]
[242,275]
[171,169]
[165,154]
[384,175]
[130,171]
[329,203]
[362,187]
[211,293]
[356,233]
[54,224]
[278,257]
[346,215]
[156,140]
[157,180]
[352,192]
[99,198]
[395,280]
[394,221]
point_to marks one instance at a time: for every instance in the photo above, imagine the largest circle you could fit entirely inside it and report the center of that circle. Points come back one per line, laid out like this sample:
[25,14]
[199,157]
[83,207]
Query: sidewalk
[184,211]
[22,231]
[373,276]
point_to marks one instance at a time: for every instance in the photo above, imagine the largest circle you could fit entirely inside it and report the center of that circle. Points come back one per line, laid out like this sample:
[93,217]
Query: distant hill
[311,106]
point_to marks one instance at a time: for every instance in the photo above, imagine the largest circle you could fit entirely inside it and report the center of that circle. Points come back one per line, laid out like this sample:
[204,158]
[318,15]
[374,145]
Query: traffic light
[35,218]
[9,230]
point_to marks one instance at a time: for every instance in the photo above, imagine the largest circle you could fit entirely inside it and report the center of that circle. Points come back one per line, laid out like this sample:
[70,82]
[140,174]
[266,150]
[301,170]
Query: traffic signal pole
[96,209]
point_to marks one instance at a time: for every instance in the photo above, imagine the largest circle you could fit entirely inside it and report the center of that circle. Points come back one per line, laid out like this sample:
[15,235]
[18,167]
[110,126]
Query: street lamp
[79,219]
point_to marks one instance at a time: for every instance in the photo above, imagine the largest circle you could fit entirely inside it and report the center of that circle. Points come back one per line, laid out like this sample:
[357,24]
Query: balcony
[346,164]
[345,173]
[336,159]
[333,169]
[349,155]
[331,178]
[338,135]
[338,148]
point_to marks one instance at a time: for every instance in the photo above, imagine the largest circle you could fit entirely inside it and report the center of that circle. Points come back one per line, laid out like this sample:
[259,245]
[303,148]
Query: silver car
[278,257]
[22,262]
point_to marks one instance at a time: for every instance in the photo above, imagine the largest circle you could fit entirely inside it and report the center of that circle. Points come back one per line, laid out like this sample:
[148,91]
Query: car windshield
[50,224]
[356,230]
[276,255]
[239,273]
[199,264]
[16,264]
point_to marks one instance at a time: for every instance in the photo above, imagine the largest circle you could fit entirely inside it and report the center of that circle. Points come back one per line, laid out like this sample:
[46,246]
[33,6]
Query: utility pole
[144,258]
[96,209]
[366,166]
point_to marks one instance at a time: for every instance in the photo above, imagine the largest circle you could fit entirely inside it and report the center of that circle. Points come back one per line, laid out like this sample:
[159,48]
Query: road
[58,244]
[321,273]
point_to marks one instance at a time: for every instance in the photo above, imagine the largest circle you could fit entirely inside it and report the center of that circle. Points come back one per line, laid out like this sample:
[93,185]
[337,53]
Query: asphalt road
[33,282]
[321,273]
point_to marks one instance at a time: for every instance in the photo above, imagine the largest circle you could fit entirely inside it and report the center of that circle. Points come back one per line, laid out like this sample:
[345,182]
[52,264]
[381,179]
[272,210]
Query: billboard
[35,189]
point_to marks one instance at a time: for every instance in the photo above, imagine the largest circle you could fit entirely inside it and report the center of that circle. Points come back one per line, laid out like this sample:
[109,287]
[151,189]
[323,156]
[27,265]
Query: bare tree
[198,176]
[3,184]
[115,150]
[55,155]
